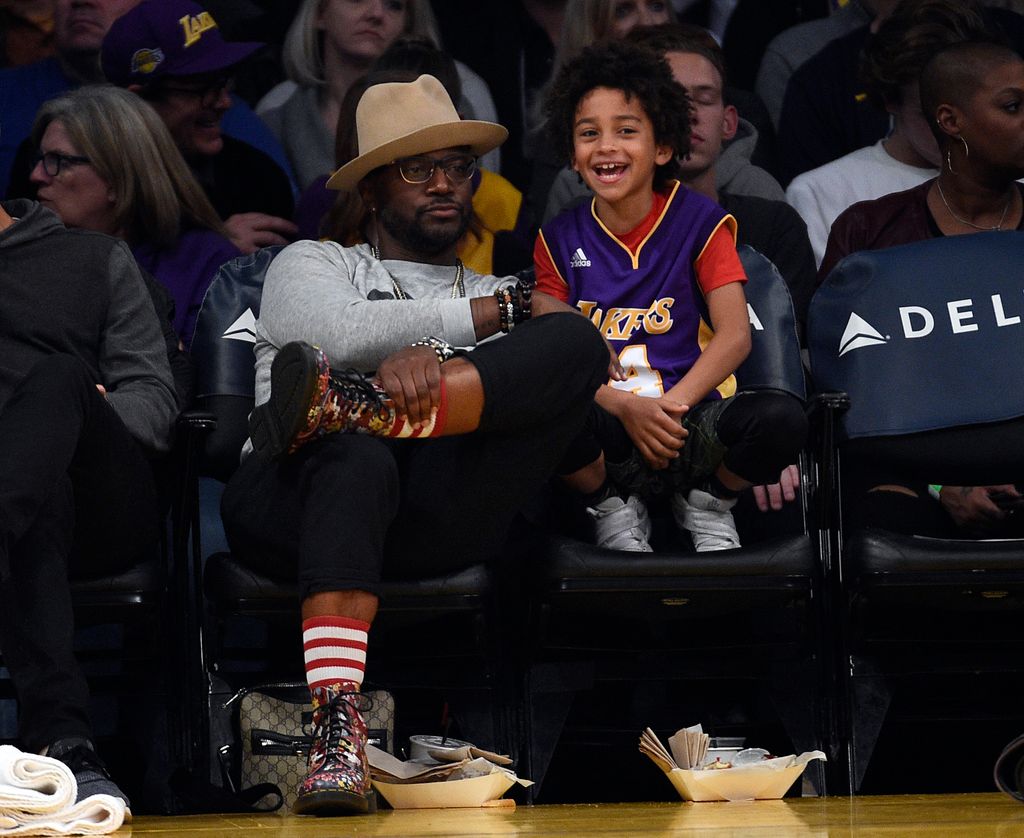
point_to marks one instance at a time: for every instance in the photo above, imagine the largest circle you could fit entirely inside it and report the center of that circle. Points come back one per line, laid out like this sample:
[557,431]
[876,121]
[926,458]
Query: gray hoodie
[80,293]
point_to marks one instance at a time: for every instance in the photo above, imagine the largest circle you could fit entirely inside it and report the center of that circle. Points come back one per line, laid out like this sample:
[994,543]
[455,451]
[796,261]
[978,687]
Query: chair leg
[870,699]
[550,691]
[793,690]
[478,720]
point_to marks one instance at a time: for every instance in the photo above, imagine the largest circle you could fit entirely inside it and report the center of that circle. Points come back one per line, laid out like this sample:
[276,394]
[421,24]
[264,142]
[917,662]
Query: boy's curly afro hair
[637,72]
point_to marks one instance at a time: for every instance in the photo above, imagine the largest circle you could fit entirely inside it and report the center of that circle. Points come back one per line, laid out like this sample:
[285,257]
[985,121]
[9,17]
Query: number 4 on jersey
[641,380]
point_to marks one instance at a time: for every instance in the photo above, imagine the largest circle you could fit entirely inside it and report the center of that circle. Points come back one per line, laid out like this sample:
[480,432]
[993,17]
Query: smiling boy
[654,265]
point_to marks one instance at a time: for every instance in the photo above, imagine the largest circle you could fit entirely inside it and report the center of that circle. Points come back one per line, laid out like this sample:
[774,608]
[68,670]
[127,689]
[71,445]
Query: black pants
[348,511]
[755,434]
[974,455]
[77,498]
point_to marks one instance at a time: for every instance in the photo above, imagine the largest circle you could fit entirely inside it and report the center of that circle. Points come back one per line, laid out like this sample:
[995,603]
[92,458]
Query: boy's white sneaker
[708,520]
[622,524]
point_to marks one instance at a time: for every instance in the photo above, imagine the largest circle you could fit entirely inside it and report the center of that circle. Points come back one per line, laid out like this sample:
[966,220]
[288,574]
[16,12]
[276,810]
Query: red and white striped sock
[335,651]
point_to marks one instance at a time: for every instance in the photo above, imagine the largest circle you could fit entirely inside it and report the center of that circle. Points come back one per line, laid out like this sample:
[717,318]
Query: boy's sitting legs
[707,518]
[620,519]
[730,445]
[621,523]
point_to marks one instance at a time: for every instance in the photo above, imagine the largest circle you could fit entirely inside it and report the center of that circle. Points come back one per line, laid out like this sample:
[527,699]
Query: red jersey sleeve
[718,263]
[549,280]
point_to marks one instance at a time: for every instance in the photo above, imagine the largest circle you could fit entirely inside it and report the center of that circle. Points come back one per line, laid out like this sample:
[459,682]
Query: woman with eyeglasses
[106,162]
[329,45]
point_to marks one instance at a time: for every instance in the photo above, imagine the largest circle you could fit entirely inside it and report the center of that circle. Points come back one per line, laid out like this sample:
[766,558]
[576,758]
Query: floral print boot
[309,400]
[338,776]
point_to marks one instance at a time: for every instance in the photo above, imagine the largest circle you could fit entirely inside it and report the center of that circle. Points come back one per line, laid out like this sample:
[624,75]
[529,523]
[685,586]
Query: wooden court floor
[946,815]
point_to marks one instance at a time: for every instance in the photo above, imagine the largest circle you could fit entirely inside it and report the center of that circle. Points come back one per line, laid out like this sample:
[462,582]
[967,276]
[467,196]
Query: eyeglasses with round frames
[458,168]
[53,161]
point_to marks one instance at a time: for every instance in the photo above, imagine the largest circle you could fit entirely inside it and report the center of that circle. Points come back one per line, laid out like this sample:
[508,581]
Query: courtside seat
[430,634]
[416,617]
[247,591]
[601,578]
[141,585]
[922,341]
[907,590]
[737,625]
[934,639]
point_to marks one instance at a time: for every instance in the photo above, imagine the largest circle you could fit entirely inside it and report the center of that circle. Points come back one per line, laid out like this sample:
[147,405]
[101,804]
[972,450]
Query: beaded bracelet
[507,314]
[515,305]
[525,289]
[442,348]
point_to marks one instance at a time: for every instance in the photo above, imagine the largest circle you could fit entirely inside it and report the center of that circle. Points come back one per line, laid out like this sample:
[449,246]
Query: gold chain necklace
[998,226]
[458,287]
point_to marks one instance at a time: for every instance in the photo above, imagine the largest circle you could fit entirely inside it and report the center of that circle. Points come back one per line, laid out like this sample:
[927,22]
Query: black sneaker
[78,754]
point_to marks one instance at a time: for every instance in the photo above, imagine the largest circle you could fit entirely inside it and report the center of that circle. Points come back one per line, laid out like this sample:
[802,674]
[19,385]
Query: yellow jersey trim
[635,257]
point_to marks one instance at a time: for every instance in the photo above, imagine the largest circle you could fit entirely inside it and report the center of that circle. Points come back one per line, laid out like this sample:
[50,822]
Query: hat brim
[479,136]
[226,55]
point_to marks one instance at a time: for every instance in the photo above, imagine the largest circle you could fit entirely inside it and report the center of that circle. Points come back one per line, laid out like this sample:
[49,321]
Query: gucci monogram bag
[276,728]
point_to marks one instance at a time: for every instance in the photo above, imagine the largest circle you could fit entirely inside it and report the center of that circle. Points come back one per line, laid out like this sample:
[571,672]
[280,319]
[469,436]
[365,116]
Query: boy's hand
[412,378]
[655,427]
[615,370]
[773,497]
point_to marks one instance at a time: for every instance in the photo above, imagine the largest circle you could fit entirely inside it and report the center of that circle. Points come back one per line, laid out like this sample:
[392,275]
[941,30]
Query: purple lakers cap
[161,38]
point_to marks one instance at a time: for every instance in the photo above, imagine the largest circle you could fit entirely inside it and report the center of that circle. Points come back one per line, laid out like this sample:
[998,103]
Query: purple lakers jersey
[649,304]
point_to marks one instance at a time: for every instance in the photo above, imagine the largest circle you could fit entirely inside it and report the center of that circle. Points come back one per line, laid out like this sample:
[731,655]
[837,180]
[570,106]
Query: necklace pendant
[458,287]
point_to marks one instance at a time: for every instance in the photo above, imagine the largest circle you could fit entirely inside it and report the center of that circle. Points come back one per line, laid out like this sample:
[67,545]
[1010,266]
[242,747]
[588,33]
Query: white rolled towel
[37,797]
[33,784]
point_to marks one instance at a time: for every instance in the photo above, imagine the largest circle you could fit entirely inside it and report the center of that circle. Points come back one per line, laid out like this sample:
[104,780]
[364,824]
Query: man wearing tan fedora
[408,407]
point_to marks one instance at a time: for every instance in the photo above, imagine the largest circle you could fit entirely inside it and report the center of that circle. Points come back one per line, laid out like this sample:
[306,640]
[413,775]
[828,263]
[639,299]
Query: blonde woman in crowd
[329,45]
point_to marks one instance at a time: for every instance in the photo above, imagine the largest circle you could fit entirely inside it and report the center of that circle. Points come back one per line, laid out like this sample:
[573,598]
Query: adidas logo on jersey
[579,259]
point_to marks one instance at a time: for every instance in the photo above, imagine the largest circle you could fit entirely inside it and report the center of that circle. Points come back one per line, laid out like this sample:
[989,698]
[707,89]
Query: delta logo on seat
[243,329]
[919,322]
[859,333]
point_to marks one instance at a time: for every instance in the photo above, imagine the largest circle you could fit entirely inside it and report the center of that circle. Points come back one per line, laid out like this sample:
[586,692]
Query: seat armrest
[197,420]
[836,401]
[193,426]
[823,411]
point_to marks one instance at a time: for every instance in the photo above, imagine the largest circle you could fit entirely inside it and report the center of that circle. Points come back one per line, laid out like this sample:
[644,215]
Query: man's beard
[420,237]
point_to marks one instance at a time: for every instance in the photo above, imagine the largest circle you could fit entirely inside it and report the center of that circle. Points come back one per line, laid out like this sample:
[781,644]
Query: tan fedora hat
[401,119]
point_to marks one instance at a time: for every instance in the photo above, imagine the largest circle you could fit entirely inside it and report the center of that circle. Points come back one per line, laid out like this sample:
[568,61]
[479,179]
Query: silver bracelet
[442,348]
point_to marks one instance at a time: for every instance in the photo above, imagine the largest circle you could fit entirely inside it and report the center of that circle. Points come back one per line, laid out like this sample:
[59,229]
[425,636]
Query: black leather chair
[909,343]
[432,638]
[130,630]
[623,640]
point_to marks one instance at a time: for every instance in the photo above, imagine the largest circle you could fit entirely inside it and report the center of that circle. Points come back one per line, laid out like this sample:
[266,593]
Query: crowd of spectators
[190,132]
